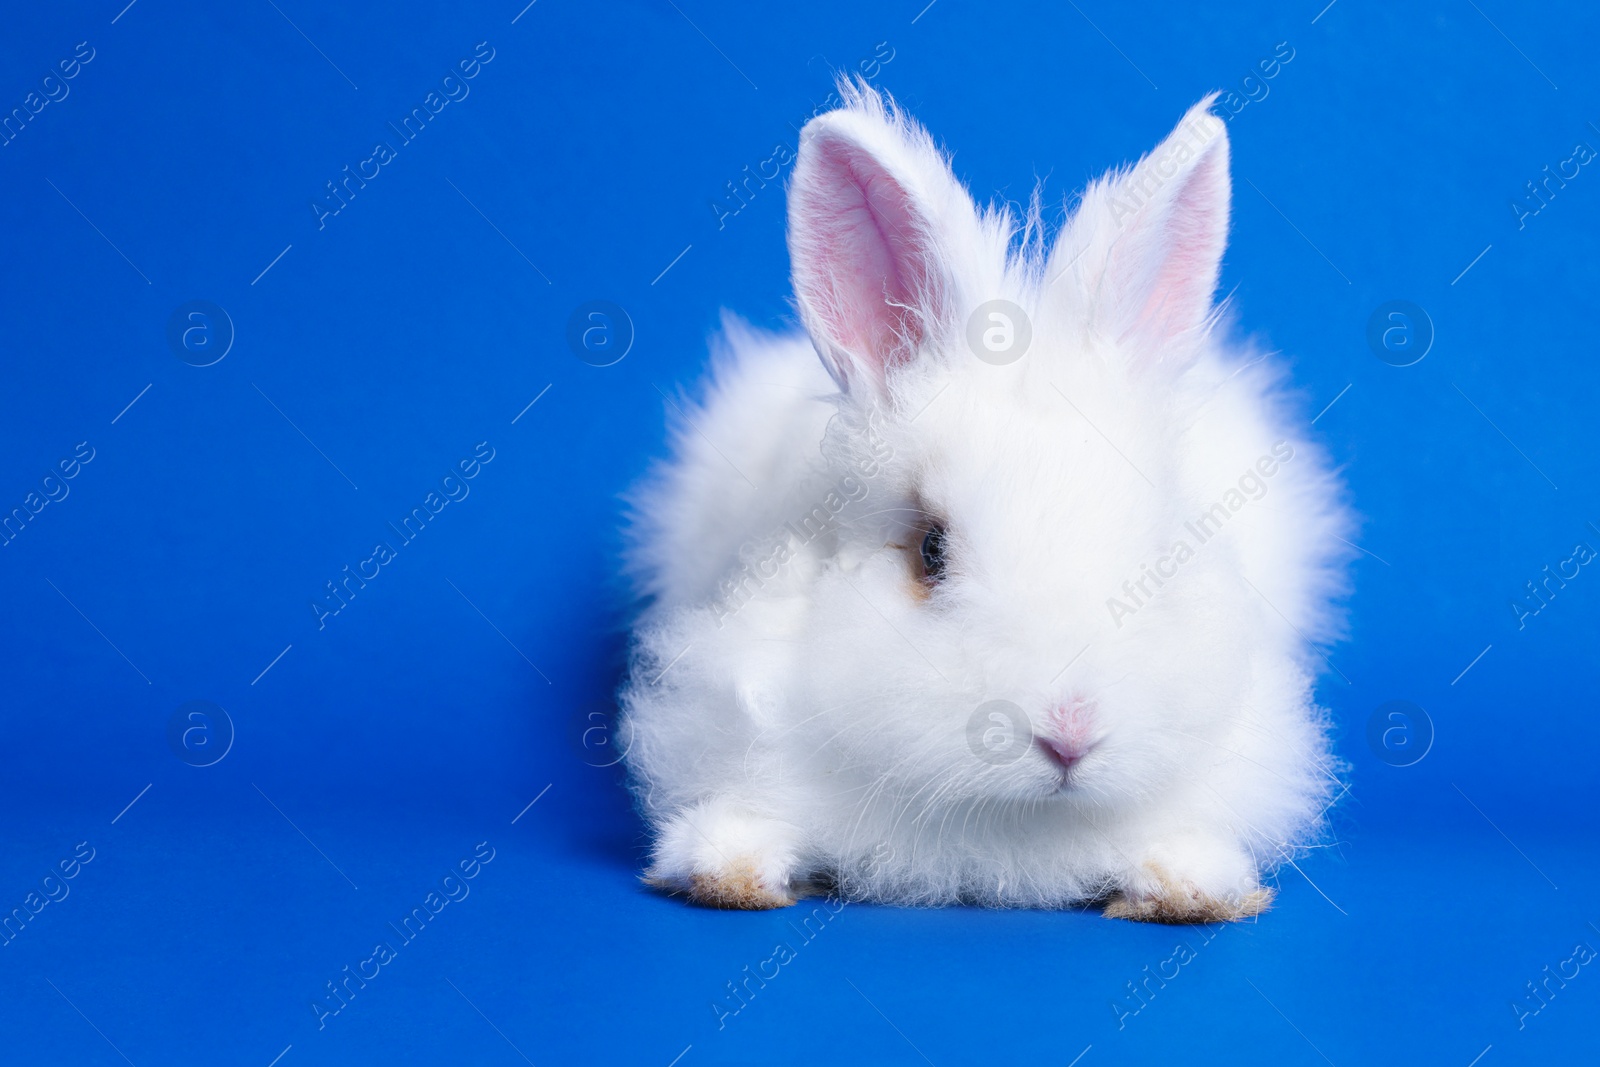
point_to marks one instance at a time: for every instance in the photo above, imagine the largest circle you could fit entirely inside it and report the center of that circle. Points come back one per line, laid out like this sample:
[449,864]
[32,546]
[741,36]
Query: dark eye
[933,553]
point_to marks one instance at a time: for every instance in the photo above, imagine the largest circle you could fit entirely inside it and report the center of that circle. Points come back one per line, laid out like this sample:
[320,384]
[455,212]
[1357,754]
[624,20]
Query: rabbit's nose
[1068,732]
[1067,755]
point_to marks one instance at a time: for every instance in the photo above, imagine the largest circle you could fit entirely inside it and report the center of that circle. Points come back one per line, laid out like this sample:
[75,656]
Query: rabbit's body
[1097,682]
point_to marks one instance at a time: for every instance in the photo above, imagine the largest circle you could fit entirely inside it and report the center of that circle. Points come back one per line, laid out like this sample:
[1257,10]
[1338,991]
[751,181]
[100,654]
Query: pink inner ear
[861,254]
[1189,250]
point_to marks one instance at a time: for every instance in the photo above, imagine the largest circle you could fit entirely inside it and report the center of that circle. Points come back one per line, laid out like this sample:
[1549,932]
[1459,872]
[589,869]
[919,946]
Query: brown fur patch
[737,887]
[917,582]
[1180,903]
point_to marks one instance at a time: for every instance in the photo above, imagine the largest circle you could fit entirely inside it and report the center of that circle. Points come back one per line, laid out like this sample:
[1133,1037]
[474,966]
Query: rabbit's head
[1009,611]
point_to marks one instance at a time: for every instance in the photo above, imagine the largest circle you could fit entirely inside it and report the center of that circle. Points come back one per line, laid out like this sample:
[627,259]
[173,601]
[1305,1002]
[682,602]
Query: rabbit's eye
[933,553]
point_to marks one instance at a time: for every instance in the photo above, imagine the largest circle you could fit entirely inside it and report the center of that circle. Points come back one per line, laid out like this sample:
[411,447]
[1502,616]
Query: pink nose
[1063,752]
[1069,732]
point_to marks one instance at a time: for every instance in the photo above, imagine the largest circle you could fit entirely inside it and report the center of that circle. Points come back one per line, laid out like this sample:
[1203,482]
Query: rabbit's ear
[870,273]
[1151,241]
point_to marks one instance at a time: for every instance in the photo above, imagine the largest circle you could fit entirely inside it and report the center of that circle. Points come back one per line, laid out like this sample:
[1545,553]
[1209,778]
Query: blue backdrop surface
[276,272]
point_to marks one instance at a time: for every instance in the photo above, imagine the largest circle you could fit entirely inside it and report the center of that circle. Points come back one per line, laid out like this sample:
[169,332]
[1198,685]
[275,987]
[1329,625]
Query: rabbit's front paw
[739,885]
[1195,879]
[1174,900]
[722,855]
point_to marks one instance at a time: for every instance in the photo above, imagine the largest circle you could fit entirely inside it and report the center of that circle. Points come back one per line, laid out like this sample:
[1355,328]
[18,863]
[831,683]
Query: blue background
[374,353]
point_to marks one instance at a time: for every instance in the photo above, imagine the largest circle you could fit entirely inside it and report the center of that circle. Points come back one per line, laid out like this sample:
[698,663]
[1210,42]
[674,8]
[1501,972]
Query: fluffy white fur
[798,708]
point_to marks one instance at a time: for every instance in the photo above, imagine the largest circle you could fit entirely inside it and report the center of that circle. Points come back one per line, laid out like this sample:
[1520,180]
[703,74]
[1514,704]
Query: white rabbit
[1009,603]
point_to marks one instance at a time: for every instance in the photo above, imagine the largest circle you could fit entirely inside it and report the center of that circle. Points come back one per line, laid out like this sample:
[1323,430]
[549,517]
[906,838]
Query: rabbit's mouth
[1067,759]
[1064,754]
